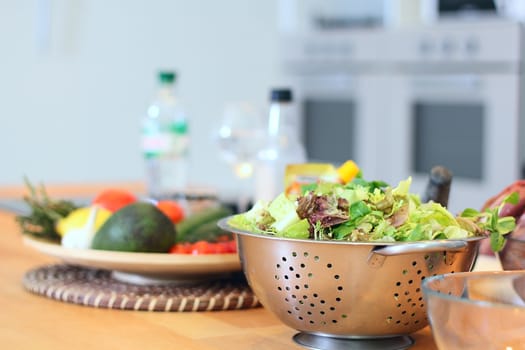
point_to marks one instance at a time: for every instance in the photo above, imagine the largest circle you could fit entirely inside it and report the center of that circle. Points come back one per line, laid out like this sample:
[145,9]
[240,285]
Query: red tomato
[204,247]
[113,199]
[221,248]
[231,246]
[172,210]
[181,248]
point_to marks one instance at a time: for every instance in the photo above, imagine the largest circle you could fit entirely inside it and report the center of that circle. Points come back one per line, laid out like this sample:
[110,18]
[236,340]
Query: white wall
[70,107]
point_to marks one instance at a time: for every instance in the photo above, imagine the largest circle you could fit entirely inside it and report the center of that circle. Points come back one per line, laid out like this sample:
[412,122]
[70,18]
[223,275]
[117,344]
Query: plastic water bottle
[282,146]
[165,141]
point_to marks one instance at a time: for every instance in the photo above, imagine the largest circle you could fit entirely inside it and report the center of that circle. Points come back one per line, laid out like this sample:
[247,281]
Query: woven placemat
[97,288]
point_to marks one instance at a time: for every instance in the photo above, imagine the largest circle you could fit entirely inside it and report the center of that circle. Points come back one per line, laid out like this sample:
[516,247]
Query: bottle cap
[281,95]
[167,77]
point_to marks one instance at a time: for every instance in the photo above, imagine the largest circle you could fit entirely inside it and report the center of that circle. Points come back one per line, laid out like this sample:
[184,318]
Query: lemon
[78,219]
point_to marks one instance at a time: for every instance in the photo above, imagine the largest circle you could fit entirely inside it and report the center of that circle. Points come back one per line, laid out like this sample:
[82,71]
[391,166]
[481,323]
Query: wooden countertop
[29,321]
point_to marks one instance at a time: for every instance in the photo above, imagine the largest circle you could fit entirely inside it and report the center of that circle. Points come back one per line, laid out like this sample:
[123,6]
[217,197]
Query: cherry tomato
[204,247]
[231,246]
[181,248]
[113,199]
[172,210]
[220,248]
[201,247]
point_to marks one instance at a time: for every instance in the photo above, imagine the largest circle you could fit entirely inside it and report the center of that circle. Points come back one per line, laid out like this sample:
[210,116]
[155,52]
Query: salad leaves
[370,211]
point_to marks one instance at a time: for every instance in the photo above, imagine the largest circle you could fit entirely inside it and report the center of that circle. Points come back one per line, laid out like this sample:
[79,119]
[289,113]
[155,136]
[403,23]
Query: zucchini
[208,231]
[206,218]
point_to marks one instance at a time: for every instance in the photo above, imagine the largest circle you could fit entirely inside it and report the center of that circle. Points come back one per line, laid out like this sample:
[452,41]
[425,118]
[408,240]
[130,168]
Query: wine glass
[240,137]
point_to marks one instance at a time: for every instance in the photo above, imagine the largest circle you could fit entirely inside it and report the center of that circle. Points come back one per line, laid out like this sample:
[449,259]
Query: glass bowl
[477,310]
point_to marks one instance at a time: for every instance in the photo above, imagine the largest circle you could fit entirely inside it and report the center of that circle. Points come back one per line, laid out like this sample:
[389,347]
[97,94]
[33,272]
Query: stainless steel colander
[344,289]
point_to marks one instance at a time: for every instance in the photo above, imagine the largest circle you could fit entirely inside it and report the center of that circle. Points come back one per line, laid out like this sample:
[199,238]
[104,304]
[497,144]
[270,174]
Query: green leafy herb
[45,212]
[500,226]
[359,210]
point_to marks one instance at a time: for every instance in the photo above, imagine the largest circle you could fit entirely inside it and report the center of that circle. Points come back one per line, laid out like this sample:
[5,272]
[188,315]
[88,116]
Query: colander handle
[427,247]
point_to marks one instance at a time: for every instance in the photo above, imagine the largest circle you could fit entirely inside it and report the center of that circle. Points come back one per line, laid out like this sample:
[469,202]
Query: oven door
[468,123]
[339,114]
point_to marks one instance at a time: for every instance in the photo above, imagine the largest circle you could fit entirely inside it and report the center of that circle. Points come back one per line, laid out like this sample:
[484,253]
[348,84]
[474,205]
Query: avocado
[137,227]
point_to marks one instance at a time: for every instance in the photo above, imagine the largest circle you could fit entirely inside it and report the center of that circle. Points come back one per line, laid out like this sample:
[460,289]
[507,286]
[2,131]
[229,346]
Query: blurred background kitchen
[397,85]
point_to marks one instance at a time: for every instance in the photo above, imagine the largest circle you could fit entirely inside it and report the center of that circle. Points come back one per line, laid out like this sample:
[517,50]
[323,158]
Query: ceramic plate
[143,267]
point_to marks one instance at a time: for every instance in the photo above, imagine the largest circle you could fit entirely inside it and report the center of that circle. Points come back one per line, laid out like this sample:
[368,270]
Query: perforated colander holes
[432,259]
[298,272]
[407,281]
[305,304]
[292,271]
[406,316]
[408,296]
[429,262]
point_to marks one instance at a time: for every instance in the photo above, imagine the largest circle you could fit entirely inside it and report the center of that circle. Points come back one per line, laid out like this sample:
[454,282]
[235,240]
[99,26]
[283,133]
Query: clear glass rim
[428,291]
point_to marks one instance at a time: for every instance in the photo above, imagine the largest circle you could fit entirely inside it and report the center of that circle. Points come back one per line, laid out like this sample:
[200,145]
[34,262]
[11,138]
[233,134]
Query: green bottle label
[171,140]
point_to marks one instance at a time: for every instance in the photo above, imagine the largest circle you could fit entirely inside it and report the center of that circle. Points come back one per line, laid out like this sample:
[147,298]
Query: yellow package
[297,176]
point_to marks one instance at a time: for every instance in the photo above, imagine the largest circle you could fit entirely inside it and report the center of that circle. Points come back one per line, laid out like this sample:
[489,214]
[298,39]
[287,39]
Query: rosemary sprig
[44,213]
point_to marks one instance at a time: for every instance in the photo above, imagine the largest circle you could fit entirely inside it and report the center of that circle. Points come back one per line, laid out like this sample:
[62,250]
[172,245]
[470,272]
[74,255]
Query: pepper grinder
[438,187]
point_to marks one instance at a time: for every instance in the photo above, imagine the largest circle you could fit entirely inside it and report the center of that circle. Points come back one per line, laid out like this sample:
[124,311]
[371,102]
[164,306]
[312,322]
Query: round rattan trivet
[97,288]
